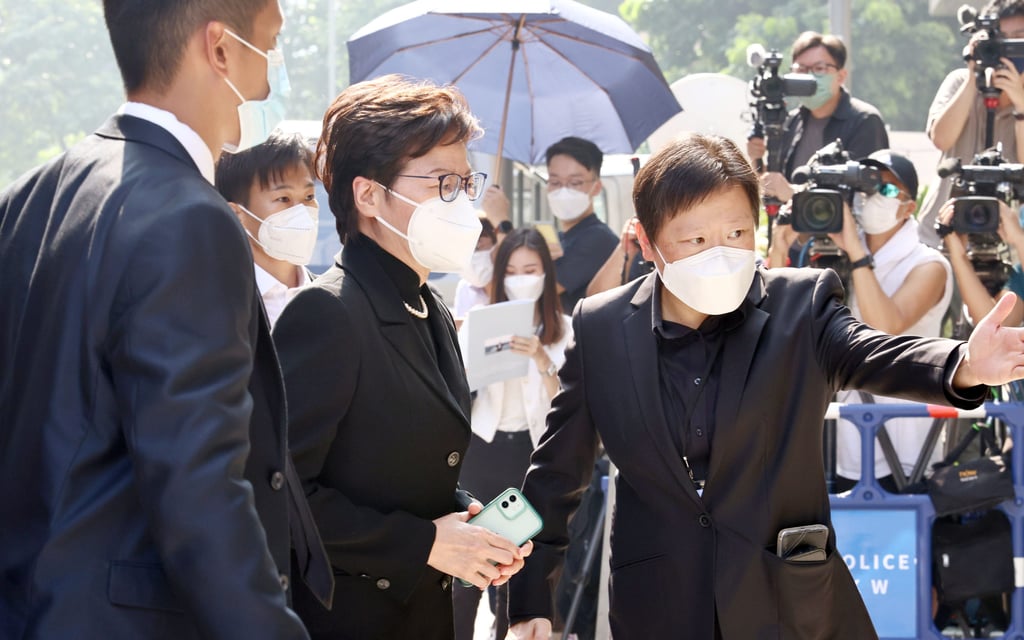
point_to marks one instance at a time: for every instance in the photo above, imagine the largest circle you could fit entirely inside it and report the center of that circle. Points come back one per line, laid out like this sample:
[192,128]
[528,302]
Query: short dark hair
[150,37]
[265,163]
[687,172]
[1004,8]
[810,39]
[549,305]
[487,229]
[582,151]
[374,127]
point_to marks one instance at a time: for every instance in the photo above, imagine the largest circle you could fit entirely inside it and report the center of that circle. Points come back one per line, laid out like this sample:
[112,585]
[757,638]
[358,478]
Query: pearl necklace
[416,313]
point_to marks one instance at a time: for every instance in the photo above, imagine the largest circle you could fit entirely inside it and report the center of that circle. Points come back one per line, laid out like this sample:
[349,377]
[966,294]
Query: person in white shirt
[475,284]
[270,188]
[898,285]
[508,417]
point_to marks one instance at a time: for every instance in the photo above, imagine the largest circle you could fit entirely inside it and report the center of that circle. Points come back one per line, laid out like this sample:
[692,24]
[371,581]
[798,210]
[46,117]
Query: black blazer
[676,557]
[127,338]
[378,427]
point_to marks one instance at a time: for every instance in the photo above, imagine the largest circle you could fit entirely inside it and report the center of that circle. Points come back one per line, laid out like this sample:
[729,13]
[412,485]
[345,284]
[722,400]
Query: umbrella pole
[508,94]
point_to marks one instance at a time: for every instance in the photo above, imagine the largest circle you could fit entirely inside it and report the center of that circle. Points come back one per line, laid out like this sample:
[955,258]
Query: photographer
[830,114]
[978,296]
[897,285]
[957,117]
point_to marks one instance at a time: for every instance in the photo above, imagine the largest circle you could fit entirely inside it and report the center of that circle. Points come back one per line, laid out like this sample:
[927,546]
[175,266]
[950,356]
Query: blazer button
[704,520]
[284,582]
[383,584]
[453,458]
[276,481]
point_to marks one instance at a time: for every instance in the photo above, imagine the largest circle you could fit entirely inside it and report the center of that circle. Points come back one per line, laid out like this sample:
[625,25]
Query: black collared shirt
[684,355]
[585,248]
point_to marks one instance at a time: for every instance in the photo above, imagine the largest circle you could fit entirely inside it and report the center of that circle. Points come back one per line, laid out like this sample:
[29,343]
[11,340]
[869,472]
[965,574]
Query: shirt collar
[588,220]
[194,145]
[405,279]
[267,283]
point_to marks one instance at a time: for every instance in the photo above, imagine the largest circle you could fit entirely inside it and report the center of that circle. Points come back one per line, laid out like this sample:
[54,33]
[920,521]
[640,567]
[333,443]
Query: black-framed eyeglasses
[817,70]
[450,184]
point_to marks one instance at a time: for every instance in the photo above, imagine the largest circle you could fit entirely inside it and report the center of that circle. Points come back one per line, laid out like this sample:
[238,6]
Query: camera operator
[957,117]
[978,295]
[897,285]
[829,114]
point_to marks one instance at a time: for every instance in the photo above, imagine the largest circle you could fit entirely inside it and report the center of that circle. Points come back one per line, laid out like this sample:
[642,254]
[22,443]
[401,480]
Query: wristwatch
[552,370]
[866,261]
[1018,116]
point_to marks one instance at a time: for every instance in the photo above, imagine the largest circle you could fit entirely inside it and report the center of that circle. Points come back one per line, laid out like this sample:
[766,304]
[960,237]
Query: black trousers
[489,469]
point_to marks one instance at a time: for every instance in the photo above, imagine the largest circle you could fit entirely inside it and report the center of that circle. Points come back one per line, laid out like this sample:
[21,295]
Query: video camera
[990,47]
[833,179]
[977,191]
[768,90]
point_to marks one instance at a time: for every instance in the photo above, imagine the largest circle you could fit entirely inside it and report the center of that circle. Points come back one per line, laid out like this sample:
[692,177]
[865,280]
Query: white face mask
[713,282]
[568,204]
[288,235]
[442,236]
[257,118]
[480,269]
[524,286]
[876,213]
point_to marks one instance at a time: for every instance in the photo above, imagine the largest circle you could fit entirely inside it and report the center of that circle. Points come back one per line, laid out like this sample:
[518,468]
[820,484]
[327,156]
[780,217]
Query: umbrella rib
[479,58]
[537,31]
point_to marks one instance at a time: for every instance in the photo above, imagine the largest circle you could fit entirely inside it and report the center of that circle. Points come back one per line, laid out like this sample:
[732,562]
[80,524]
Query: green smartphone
[511,516]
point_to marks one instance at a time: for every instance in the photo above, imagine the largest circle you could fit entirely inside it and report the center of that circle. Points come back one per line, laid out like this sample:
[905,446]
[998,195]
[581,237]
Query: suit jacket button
[284,582]
[704,520]
[453,458]
[446,582]
[276,481]
[383,583]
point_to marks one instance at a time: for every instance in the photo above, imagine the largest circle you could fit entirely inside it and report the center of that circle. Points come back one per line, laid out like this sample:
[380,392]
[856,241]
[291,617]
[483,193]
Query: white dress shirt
[186,135]
[275,293]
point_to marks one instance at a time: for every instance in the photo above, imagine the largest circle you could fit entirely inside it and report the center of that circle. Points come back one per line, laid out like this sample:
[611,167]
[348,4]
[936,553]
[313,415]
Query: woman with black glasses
[377,396]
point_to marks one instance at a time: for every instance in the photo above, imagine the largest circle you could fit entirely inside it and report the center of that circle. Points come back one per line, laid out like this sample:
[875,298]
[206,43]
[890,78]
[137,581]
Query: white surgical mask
[524,287]
[480,269]
[442,236]
[876,213]
[257,118]
[288,235]
[568,204]
[713,282]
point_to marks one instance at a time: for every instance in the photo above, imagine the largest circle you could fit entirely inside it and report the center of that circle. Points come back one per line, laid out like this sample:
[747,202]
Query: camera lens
[978,217]
[504,504]
[511,498]
[817,213]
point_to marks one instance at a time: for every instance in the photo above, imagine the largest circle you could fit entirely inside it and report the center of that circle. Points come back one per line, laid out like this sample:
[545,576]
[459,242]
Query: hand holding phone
[511,516]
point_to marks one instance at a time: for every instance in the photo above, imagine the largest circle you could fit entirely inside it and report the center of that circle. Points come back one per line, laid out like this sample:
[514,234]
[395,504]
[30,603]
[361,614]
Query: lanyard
[691,408]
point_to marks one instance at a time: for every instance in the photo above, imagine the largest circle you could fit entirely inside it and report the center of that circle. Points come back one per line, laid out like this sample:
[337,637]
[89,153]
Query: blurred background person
[574,179]
[508,417]
[830,114]
[377,396]
[957,117]
[475,284]
[980,296]
[897,285]
[623,265]
[270,188]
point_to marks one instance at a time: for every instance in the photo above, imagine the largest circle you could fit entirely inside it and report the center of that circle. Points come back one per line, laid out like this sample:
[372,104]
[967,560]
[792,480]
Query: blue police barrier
[885,539]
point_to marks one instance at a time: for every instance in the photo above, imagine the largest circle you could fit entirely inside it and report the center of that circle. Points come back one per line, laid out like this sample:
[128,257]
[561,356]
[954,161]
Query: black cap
[899,164]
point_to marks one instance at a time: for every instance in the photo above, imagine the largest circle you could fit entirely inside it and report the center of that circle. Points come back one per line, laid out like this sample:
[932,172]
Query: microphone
[756,55]
[966,15]
[948,167]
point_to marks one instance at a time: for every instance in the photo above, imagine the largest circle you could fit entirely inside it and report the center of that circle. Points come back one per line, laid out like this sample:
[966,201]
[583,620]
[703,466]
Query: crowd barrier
[885,538]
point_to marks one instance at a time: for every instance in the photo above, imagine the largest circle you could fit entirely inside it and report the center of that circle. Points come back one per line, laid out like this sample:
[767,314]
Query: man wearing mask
[270,187]
[677,375]
[574,179]
[957,117]
[830,114]
[141,403]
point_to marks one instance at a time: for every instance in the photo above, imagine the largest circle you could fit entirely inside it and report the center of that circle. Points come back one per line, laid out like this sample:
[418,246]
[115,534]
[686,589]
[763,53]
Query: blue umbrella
[533,70]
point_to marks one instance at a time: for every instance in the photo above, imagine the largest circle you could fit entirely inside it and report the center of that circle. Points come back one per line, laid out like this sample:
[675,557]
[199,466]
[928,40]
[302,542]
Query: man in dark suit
[130,396]
[715,422]
[377,395]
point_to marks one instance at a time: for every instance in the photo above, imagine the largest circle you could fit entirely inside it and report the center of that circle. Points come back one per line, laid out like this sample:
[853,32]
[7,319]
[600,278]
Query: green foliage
[899,54]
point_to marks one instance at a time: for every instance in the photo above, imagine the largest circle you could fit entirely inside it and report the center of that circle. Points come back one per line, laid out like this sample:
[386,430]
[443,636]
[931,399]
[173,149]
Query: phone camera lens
[504,504]
[511,498]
